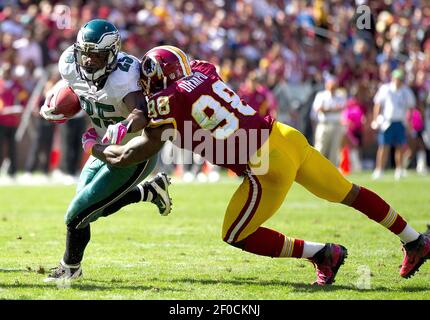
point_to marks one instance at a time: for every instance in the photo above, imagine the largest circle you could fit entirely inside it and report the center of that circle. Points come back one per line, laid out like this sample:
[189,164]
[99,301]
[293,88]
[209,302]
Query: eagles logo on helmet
[96,50]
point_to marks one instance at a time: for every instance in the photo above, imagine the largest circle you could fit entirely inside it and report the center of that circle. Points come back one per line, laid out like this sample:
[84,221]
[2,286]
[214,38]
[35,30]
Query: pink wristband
[88,146]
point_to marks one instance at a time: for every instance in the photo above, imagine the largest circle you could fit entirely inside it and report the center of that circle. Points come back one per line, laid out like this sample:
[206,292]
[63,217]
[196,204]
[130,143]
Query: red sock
[271,243]
[377,209]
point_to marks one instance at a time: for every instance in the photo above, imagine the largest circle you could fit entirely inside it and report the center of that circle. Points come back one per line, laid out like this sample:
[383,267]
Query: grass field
[137,254]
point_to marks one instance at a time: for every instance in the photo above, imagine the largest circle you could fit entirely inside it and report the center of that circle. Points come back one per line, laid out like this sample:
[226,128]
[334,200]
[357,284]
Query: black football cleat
[160,186]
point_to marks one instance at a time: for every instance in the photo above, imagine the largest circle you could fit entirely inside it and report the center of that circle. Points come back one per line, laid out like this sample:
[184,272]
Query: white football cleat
[162,200]
[64,272]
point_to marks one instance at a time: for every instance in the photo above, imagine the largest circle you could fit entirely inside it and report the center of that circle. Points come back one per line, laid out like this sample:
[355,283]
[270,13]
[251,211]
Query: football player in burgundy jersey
[189,103]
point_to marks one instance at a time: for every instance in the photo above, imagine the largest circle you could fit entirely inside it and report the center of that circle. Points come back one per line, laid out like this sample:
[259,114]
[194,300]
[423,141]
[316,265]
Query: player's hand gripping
[46,111]
[89,139]
[116,132]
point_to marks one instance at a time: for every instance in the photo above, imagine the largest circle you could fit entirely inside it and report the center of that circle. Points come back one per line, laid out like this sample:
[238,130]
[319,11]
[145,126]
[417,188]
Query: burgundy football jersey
[210,119]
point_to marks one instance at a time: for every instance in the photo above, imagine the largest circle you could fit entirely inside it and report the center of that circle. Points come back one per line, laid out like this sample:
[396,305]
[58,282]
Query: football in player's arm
[106,80]
[192,96]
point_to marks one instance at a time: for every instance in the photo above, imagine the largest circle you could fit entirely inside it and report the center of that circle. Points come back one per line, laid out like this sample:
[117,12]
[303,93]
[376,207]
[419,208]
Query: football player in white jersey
[107,83]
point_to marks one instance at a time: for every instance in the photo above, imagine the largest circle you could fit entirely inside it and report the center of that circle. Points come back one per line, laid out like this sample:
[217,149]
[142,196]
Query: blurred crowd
[280,55]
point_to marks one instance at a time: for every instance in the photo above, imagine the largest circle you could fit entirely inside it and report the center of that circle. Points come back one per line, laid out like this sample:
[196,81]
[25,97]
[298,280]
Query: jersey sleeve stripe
[156,123]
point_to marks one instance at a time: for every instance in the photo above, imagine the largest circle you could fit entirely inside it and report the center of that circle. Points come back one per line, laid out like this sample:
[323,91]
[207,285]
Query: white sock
[408,234]
[69,265]
[310,248]
[141,192]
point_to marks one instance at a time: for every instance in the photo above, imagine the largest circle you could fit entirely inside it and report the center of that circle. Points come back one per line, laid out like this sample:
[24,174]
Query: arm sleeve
[317,102]
[378,98]
[411,101]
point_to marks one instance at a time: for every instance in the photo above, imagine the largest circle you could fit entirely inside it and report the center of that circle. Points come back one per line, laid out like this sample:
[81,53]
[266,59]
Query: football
[66,102]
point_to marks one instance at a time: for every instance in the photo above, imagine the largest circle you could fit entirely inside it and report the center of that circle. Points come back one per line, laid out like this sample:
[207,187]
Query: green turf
[137,254]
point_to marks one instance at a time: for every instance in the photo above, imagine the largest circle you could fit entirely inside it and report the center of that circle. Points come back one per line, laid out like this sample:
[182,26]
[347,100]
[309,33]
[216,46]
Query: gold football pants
[290,158]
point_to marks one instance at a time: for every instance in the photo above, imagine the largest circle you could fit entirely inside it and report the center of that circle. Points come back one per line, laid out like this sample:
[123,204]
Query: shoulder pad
[202,66]
[126,77]
[66,64]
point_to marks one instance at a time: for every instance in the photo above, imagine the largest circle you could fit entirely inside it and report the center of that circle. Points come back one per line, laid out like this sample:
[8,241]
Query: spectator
[71,149]
[12,101]
[289,42]
[39,155]
[258,96]
[417,147]
[328,106]
[392,102]
[353,119]
[287,109]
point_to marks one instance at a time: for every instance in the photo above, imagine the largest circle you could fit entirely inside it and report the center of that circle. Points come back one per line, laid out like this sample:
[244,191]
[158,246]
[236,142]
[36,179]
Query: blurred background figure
[12,101]
[353,118]
[392,102]
[328,106]
[71,151]
[258,96]
[40,151]
[278,52]
[201,170]
[416,144]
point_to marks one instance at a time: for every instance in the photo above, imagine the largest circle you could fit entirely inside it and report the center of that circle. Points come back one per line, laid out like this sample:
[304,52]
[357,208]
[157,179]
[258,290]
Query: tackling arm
[135,151]
[136,103]
[136,120]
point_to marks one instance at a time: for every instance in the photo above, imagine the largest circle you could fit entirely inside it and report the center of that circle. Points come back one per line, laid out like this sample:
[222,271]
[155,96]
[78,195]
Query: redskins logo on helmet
[161,66]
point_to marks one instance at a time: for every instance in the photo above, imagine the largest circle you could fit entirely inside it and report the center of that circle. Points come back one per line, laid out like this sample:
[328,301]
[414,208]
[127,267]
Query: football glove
[46,111]
[115,133]
[89,139]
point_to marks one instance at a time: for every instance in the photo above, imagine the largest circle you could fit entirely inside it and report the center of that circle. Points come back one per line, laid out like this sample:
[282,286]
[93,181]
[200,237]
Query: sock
[132,196]
[147,192]
[374,207]
[311,248]
[76,242]
[408,234]
[139,193]
[70,265]
[268,242]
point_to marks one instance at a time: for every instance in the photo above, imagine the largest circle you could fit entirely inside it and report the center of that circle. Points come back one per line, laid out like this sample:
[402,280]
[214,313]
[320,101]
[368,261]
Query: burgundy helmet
[162,66]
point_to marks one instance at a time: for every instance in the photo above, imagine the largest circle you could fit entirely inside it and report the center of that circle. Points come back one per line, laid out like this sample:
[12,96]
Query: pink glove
[89,139]
[115,133]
